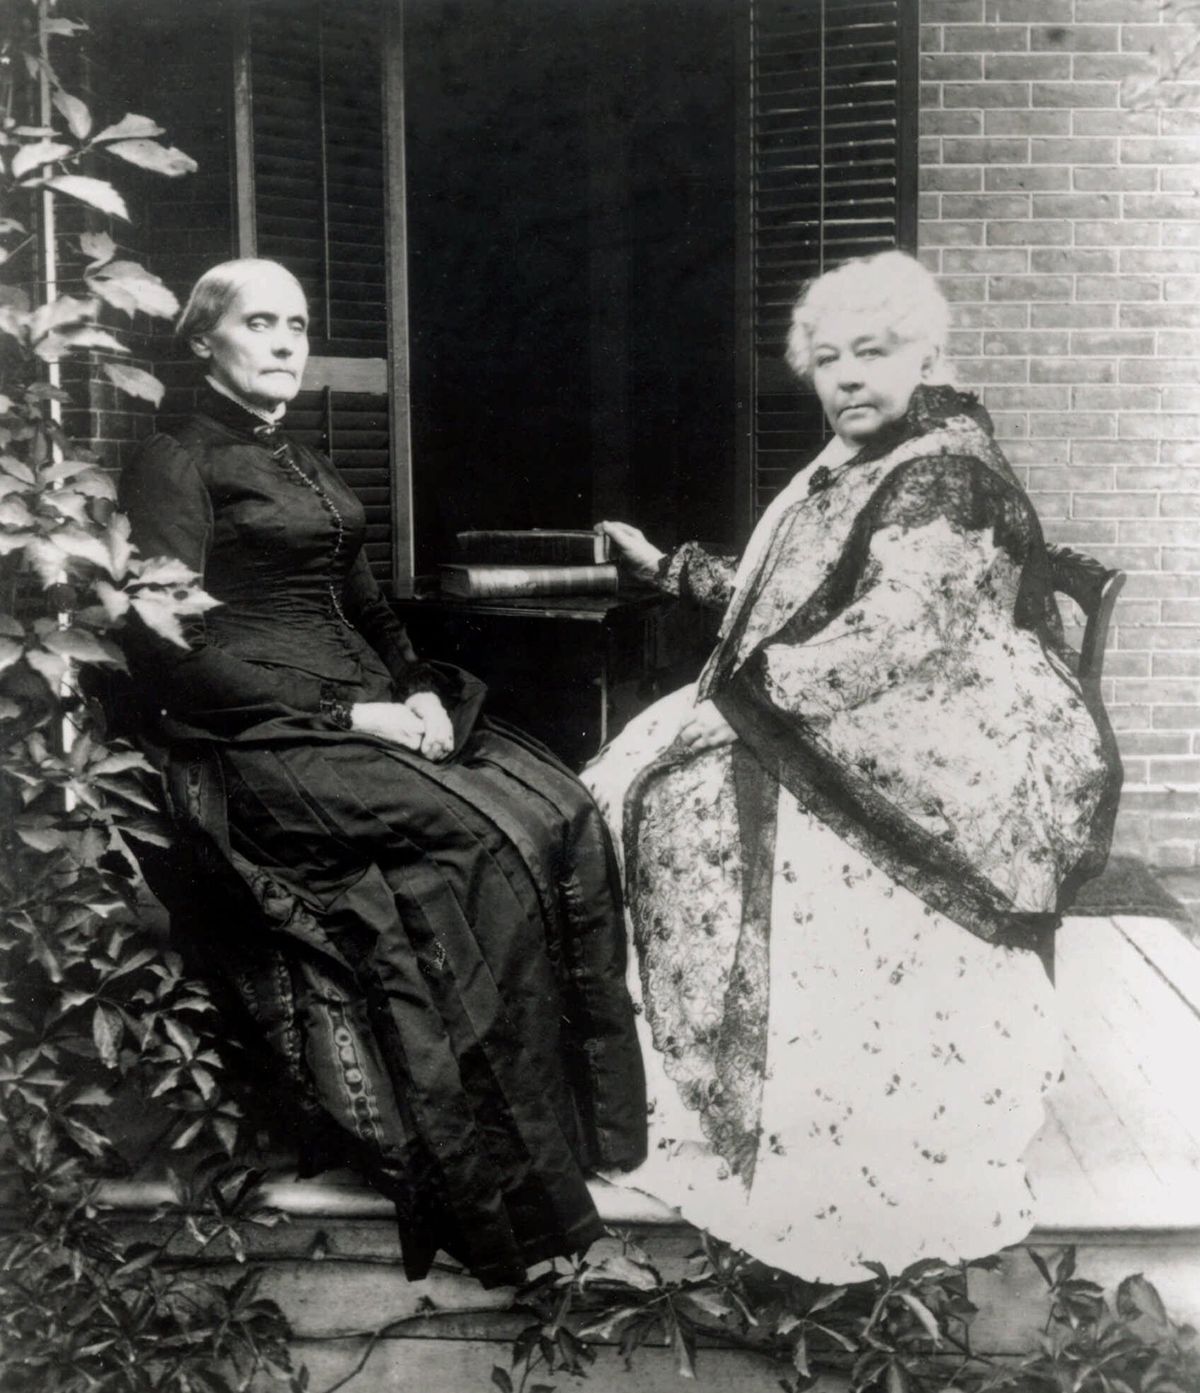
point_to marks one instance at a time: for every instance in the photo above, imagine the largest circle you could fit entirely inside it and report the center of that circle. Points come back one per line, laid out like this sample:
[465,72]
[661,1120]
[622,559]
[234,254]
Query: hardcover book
[480,582]
[536,546]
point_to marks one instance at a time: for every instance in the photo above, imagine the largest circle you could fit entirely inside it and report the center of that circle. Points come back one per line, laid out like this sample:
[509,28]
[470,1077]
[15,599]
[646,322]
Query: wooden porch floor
[1116,1172]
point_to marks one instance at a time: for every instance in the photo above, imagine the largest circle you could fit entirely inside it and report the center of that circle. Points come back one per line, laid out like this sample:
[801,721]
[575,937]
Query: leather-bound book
[536,546]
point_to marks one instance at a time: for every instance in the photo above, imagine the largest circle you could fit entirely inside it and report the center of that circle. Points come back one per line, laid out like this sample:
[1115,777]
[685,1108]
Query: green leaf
[99,247]
[149,154]
[77,115]
[84,647]
[41,152]
[827,1299]
[66,27]
[97,193]
[501,1379]
[923,1314]
[128,286]
[897,1378]
[134,381]
[1138,1297]
[129,127]
[108,1029]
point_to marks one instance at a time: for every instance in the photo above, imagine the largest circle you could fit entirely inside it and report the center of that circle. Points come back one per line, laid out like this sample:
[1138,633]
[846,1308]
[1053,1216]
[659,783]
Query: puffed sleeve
[200,687]
[696,574]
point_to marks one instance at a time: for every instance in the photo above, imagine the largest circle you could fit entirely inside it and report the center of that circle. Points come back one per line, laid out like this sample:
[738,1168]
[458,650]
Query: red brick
[929,96]
[1181,612]
[1074,261]
[1073,424]
[1181,559]
[1168,261]
[951,234]
[1175,665]
[938,122]
[1179,345]
[1117,11]
[1142,38]
[1185,179]
[1159,426]
[1182,717]
[1019,67]
[956,288]
[1022,342]
[1128,717]
[1029,234]
[989,150]
[1161,205]
[965,343]
[1072,370]
[1126,664]
[1051,505]
[1030,11]
[1116,234]
[1083,532]
[1160,585]
[1101,178]
[1185,121]
[1041,454]
[1076,38]
[1160,150]
[1010,425]
[1159,317]
[985,38]
[1165,532]
[952,11]
[929,150]
[929,206]
[1117,67]
[1026,397]
[991,316]
[1073,316]
[1118,288]
[1175,771]
[1185,505]
[951,67]
[985,94]
[997,261]
[1027,176]
[1075,94]
[1114,505]
[1057,477]
[1164,693]
[1095,397]
[951,178]
[1042,122]
[985,206]
[1114,342]
[1185,452]
[1155,742]
[1076,205]
[990,370]
[1029,287]
[1074,150]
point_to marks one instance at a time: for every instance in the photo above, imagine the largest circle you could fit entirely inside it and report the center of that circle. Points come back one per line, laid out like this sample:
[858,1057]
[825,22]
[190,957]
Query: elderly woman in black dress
[435,953]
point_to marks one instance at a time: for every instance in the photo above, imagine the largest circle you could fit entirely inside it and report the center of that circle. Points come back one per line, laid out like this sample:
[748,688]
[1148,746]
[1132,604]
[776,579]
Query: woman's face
[260,346]
[863,374]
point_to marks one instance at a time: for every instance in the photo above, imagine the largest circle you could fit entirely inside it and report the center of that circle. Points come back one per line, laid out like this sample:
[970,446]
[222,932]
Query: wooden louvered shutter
[318,163]
[319,206]
[827,172]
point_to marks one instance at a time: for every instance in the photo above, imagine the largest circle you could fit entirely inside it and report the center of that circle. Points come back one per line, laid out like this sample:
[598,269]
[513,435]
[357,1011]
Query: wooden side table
[570,670]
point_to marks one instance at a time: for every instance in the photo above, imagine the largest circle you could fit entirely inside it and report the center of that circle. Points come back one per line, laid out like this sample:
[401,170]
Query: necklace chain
[283,453]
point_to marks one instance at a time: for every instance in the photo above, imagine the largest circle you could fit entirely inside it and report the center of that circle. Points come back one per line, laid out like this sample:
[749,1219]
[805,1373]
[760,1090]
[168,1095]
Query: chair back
[1094,588]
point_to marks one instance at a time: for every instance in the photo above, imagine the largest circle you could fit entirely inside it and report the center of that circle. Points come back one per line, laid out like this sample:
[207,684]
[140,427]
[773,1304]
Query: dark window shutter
[318,162]
[317,122]
[831,161]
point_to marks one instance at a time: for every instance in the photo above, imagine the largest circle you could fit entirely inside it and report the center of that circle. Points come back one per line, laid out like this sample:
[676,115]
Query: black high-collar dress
[432,953]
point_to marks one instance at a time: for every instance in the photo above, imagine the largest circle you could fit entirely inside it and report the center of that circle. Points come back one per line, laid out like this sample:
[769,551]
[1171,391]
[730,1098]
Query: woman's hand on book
[437,739]
[634,551]
[392,721]
[706,729]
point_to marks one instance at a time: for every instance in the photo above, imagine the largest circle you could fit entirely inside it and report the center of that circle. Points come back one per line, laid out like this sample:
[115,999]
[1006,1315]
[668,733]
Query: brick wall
[1065,226]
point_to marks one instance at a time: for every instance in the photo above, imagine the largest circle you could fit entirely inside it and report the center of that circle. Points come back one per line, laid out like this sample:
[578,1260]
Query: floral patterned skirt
[903,1060]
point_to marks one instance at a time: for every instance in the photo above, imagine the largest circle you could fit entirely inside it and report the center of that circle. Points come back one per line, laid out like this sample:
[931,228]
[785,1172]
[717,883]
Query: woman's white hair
[892,286]
[217,289]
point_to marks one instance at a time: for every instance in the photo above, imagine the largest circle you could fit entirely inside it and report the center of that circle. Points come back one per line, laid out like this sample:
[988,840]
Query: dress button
[354,1076]
[341,1036]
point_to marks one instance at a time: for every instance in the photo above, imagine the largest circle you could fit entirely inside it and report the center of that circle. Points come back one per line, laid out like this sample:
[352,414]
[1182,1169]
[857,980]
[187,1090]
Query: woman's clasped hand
[419,724]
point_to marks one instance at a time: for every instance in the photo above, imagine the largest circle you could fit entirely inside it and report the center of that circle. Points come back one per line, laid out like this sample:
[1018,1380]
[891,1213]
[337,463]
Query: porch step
[1116,1170]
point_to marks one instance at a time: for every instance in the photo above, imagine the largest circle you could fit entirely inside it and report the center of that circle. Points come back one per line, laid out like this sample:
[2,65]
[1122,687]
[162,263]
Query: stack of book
[538,561]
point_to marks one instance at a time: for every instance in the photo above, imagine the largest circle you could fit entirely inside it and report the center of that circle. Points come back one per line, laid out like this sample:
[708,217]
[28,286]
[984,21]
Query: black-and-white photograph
[599,696]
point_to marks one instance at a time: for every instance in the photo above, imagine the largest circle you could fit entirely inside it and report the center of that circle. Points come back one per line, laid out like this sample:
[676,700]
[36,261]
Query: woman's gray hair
[217,289]
[892,285]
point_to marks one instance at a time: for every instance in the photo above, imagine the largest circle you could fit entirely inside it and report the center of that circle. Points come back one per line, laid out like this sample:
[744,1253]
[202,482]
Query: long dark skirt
[483,1053]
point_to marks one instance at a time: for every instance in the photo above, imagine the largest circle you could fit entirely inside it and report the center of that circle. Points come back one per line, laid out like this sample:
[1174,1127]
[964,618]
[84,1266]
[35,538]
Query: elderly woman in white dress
[847,846]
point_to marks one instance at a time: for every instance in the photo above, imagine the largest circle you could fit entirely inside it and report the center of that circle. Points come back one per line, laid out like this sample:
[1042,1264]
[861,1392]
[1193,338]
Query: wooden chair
[1094,588]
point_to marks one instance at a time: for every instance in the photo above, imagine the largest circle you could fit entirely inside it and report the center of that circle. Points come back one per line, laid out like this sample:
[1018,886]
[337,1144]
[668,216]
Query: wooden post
[745,349]
[245,237]
[396,224]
